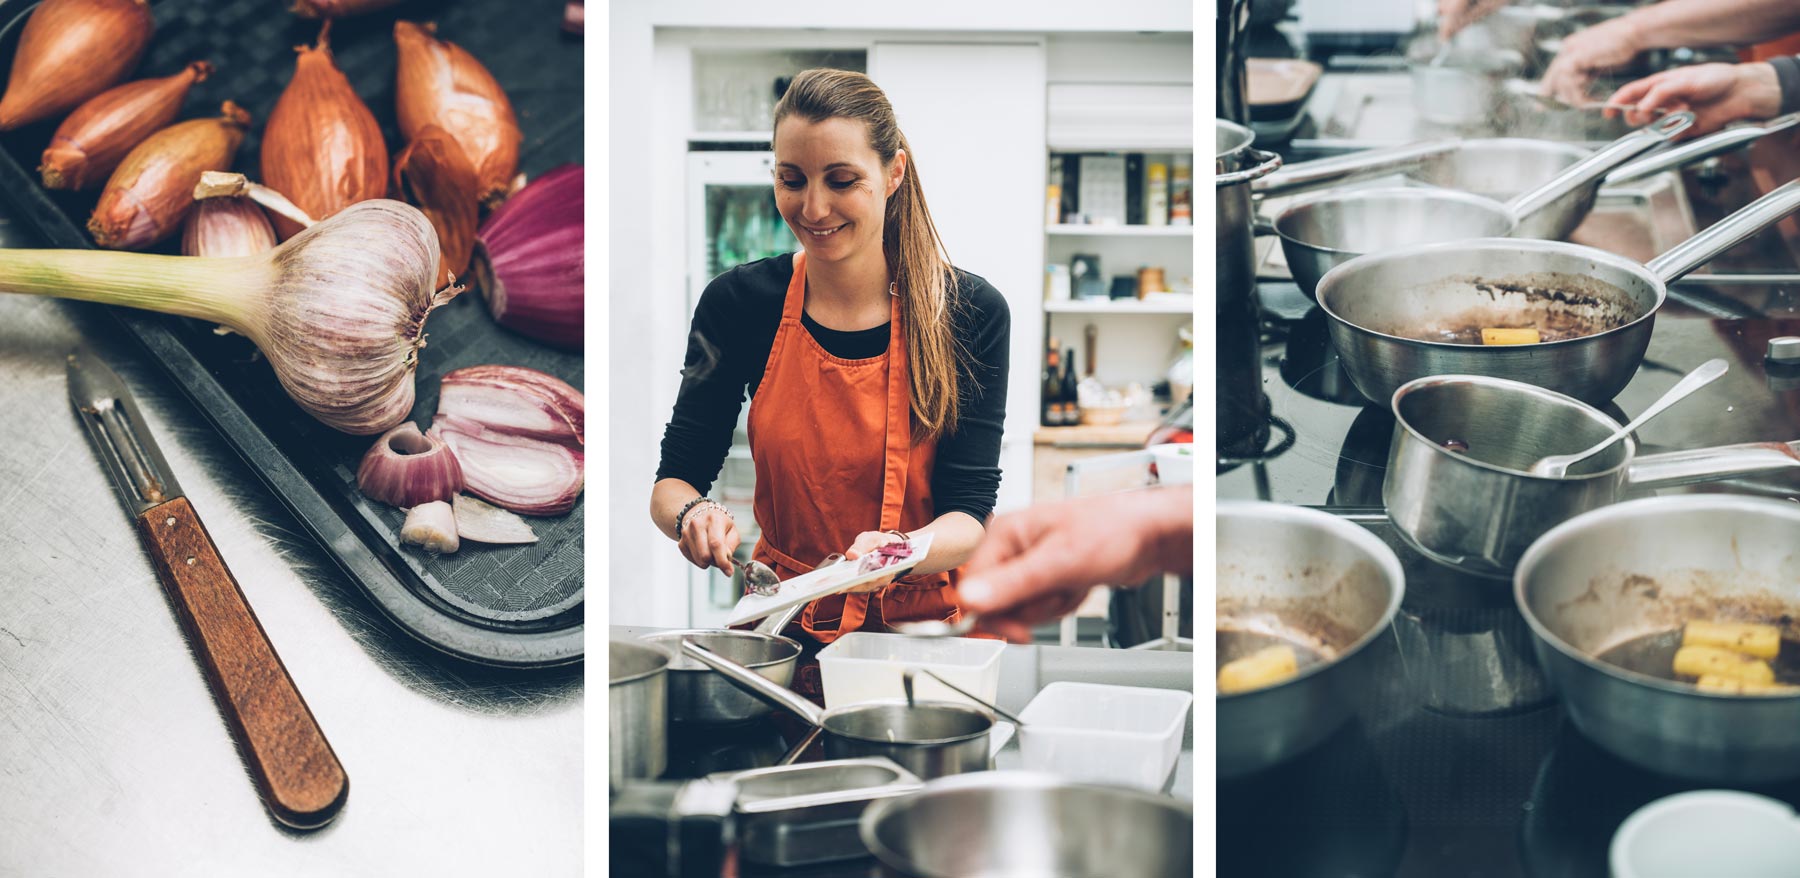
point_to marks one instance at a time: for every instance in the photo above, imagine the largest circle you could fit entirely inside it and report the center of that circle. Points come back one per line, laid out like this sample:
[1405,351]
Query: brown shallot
[72,50]
[517,434]
[434,173]
[405,468]
[89,145]
[438,83]
[153,189]
[322,147]
[338,310]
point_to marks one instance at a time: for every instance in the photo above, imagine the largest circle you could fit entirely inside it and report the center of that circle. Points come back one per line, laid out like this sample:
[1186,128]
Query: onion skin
[222,227]
[405,468]
[517,433]
[322,147]
[70,51]
[89,145]
[529,261]
[153,189]
[439,83]
[339,8]
[434,174]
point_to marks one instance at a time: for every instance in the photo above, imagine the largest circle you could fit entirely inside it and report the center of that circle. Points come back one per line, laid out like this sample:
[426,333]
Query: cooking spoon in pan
[1557,465]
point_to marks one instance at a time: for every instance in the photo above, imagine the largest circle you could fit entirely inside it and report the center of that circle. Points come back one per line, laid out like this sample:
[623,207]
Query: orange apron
[832,443]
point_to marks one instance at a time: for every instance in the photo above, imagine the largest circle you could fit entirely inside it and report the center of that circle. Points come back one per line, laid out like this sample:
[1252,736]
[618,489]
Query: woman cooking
[876,374]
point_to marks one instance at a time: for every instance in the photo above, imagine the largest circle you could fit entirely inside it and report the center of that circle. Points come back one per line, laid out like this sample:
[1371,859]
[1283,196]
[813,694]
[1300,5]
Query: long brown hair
[915,254]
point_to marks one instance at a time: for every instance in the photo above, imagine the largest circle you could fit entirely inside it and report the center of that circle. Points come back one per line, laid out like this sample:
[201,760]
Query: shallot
[484,523]
[406,468]
[434,173]
[91,143]
[517,433]
[322,147]
[528,259]
[431,526]
[338,310]
[439,83]
[153,188]
[70,51]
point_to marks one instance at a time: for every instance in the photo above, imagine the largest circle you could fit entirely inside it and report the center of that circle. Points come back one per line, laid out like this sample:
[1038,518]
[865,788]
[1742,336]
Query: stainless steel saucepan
[1606,595]
[699,694]
[1329,229]
[1458,486]
[1317,583]
[1408,313]
[929,738]
[637,712]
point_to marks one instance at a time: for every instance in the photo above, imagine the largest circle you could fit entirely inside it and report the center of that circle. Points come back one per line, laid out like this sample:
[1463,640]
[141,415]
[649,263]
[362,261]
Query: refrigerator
[731,220]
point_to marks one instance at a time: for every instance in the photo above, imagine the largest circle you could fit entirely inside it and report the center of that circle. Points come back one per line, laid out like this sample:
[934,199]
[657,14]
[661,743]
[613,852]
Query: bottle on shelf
[1051,409]
[1156,192]
[1070,394]
[1181,191]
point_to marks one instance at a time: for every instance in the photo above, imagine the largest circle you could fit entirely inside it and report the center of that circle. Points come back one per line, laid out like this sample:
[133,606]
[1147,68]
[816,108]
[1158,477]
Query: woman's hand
[1039,564]
[1588,52]
[1717,94]
[866,542]
[1454,15]
[708,537]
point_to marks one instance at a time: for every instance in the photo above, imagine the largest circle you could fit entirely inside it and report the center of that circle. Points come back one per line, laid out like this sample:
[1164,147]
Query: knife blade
[297,774]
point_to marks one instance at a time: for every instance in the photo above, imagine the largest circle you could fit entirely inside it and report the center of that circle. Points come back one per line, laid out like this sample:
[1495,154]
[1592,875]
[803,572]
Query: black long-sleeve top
[728,348]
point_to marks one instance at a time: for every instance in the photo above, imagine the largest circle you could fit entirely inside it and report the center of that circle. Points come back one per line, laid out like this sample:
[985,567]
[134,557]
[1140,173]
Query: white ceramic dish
[866,666]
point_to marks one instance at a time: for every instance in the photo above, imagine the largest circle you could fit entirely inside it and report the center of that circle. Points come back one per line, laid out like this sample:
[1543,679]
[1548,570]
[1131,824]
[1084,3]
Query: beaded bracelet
[681,517]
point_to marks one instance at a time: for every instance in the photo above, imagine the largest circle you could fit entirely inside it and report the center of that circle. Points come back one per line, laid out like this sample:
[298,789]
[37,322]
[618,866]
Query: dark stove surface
[1460,762]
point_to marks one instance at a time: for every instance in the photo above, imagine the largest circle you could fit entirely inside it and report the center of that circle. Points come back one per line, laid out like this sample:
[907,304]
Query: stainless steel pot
[1643,568]
[699,694]
[930,738]
[637,711]
[1025,825]
[1236,166]
[1322,585]
[1323,231]
[1478,508]
[1384,306]
[1241,408]
[1464,86]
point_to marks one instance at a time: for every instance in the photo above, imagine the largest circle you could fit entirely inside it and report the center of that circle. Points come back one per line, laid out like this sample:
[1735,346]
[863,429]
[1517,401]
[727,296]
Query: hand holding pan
[1413,312]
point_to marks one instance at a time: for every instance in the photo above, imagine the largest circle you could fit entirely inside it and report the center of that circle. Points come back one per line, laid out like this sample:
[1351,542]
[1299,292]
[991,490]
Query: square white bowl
[1095,733]
[865,666]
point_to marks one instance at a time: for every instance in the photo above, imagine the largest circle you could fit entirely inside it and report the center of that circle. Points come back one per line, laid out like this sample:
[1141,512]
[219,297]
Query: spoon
[938,627]
[1557,466]
[759,579]
[906,685]
[964,693]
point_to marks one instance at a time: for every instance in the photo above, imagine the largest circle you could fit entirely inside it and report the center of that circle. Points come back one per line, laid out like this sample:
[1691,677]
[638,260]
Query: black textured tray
[505,606]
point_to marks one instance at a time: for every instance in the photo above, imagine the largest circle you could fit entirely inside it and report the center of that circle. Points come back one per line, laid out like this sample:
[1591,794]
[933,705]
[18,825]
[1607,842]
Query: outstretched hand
[1717,95]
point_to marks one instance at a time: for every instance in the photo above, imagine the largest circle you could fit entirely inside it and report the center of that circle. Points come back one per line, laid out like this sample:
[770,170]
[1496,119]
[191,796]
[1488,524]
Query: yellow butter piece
[1262,668]
[1702,661]
[1762,641]
[1729,686]
[1510,336]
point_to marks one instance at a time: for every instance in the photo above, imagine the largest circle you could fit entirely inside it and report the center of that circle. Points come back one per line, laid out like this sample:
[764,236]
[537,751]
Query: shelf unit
[1173,304]
[1094,231]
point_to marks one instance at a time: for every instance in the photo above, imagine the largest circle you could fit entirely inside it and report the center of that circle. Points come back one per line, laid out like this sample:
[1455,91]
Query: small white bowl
[1708,832]
[1174,463]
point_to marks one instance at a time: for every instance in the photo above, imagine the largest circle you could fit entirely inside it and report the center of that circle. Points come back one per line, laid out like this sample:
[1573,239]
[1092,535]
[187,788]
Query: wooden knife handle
[296,772]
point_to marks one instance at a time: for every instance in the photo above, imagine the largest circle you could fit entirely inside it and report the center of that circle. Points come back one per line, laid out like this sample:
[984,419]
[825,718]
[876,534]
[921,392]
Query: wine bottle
[1051,412]
[1071,397]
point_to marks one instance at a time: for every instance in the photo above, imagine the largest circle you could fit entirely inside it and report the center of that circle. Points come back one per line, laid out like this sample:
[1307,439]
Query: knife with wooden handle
[296,772]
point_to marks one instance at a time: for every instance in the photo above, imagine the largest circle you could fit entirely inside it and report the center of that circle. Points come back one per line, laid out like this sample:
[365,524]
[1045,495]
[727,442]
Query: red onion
[517,433]
[528,259]
[406,469]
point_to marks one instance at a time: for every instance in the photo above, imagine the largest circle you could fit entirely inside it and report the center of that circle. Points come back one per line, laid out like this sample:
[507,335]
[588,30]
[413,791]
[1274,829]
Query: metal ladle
[906,681]
[1557,466]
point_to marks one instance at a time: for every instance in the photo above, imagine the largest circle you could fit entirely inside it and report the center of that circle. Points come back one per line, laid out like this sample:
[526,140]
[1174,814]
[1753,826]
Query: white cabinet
[982,169]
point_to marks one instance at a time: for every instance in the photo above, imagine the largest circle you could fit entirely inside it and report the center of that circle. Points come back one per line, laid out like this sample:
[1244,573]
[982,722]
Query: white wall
[646,294]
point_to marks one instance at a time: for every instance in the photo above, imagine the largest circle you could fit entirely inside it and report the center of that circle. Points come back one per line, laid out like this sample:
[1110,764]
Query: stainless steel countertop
[114,759]
[1025,669]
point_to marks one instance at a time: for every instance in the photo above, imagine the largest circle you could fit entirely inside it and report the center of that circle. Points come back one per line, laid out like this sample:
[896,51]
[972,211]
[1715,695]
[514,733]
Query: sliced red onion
[406,468]
[431,526]
[483,523]
[529,262]
[516,401]
[517,433]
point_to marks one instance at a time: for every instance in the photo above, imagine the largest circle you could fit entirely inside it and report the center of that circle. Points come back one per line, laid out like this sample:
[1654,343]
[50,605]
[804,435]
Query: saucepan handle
[1266,163]
[1323,172]
[1726,233]
[1712,464]
[755,684]
[1716,144]
[1604,159]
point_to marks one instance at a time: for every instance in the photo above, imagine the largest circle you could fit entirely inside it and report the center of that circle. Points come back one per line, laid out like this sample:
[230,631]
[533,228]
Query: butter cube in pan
[1262,668]
[1730,686]
[1762,641]
[1702,661]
